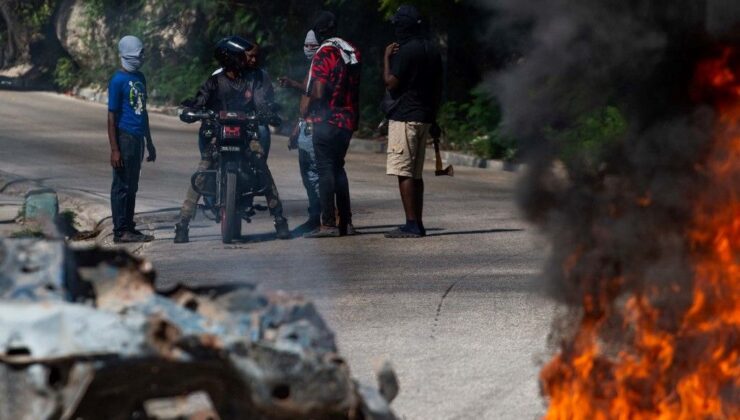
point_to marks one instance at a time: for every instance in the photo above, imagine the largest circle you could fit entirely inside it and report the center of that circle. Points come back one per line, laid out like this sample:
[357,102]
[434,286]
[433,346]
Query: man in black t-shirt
[413,77]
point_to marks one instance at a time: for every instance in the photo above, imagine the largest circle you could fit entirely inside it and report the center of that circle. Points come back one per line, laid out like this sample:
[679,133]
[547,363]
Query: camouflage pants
[257,158]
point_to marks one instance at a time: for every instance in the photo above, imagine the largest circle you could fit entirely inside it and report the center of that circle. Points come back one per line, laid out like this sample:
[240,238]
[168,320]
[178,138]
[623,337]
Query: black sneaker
[323,232]
[308,226]
[282,229]
[348,230]
[148,238]
[130,237]
[404,232]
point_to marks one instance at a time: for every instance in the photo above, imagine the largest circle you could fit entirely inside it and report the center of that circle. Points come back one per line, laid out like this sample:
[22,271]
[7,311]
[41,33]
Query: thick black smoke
[616,210]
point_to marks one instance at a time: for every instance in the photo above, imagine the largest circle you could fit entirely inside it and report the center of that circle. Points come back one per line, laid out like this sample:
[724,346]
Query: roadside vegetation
[179,37]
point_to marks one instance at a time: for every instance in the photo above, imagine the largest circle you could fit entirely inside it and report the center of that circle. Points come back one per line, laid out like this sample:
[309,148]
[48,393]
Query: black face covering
[406,30]
[325,26]
[407,22]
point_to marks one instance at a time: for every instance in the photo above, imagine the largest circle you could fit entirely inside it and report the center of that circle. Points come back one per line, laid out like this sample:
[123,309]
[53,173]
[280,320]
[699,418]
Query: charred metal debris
[85,335]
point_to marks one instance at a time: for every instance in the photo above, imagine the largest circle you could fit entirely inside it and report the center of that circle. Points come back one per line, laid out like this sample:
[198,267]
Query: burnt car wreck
[85,335]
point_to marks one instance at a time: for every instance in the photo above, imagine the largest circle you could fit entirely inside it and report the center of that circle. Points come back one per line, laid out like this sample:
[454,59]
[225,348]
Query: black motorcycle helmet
[230,52]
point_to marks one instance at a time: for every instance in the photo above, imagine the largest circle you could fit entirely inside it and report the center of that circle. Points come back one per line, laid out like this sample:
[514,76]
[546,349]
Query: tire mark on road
[439,307]
[438,314]
[447,292]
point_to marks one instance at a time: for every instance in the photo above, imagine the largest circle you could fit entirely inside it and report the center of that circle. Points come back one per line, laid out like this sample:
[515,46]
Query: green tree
[65,74]
[22,23]
[175,70]
[589,142]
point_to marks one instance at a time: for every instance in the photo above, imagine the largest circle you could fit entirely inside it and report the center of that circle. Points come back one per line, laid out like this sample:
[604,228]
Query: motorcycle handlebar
[190,115]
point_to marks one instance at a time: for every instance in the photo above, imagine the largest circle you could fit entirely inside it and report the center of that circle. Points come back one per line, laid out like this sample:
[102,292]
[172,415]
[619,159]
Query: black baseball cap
[407,14]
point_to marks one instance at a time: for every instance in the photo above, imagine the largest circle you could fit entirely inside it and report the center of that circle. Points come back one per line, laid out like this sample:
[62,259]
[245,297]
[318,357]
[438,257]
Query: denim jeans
[331,144]
[126,182]
[309,173]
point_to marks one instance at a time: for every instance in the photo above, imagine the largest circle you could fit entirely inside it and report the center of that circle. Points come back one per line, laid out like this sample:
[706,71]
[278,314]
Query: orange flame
[692,372]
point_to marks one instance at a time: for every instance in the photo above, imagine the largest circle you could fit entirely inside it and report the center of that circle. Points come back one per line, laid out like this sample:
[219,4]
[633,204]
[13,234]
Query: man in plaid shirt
[333,110]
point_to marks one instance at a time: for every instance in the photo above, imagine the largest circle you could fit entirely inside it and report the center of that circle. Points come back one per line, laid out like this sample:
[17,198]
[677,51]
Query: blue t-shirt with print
[127,99]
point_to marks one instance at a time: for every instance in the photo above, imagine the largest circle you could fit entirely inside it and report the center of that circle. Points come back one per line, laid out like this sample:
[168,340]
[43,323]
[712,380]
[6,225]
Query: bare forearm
[305,101]
[115,152]
[386,71]
[296,85]
[316,96]
[305,104]
[317,92]
[390,80]
[112,138]
[147,133]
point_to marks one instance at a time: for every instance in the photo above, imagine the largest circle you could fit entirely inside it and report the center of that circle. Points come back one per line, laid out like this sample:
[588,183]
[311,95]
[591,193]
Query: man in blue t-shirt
[128,134]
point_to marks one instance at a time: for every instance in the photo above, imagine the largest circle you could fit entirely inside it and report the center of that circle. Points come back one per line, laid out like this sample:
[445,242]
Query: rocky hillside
[63,43]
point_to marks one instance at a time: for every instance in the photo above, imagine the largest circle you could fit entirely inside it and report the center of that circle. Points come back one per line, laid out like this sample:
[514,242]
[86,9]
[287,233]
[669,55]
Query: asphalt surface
[460,314]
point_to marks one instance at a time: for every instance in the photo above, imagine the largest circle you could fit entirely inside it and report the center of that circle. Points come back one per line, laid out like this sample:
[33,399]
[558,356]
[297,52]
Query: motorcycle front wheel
[230,223]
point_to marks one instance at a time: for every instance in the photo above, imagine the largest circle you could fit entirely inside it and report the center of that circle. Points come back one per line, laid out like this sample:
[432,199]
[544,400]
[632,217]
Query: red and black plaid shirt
[341,104]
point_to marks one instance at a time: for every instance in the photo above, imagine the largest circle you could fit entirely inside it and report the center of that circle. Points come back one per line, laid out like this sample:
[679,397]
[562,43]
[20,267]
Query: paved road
[460,313]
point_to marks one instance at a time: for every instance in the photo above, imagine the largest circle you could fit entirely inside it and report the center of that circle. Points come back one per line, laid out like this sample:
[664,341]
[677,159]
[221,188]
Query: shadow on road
[385,229]
[371,230]
[474,232]
[377,227]
[364,230]
[259,237]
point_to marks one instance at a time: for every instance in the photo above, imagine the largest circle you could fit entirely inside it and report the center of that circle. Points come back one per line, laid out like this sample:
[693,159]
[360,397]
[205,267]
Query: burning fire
[689,366]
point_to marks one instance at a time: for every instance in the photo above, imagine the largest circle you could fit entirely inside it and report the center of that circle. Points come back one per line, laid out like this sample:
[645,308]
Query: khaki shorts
[407,143]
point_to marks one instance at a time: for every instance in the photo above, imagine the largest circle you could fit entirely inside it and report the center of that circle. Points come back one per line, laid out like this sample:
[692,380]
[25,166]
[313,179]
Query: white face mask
[310,50]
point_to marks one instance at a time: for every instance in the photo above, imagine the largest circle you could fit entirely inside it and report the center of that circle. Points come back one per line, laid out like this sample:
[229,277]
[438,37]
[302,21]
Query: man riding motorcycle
[240,86]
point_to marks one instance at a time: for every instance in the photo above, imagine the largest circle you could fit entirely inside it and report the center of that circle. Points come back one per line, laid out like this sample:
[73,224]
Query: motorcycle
[235,178]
